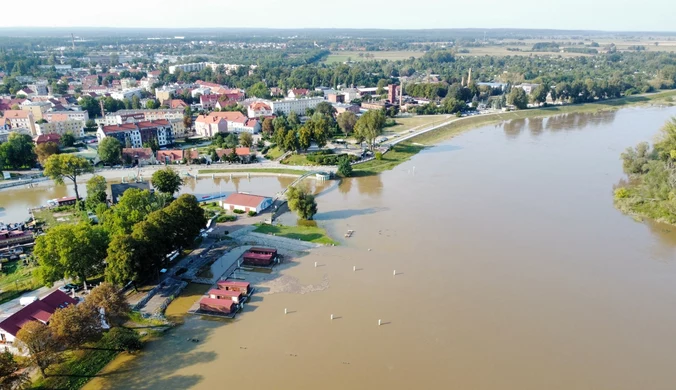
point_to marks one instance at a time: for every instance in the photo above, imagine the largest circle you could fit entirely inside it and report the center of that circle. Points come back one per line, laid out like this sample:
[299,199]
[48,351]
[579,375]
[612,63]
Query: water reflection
[370,185]
[536,125]
[514,127]
[345,186]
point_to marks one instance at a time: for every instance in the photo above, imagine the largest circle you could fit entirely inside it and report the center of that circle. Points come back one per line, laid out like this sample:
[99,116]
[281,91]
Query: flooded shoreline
[514,271]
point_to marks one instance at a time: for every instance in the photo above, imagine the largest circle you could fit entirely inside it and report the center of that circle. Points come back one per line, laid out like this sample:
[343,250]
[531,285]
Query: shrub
[621,193]
[306,222]
[379,156]
[226,218]
[238,211]
[251,213]
[123,339]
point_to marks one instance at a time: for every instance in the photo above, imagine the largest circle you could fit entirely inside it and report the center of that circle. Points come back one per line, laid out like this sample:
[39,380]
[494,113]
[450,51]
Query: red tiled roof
[244,200]
[40,310]
[40,139]
[234,283]
[238,151]
[228,303]
[16,114]
[173,155]
[259,106]
[224,293]
[177,103]
[230,116]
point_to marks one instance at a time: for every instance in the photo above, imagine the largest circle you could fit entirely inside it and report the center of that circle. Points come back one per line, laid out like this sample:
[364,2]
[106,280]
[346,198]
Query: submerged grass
[313,234]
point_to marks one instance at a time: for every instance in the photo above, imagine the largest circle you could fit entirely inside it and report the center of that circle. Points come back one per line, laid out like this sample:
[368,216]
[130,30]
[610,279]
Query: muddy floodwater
[514,271]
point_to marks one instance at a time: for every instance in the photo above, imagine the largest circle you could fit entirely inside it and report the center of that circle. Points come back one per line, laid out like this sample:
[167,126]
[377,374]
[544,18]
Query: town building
[137,134]
[44,138]
[232,295]
[169,156]
[38,108]
[259,109]
[18,119]
[299,106]
[127,94]
[131,116]
[350,94]
[246,202]
[220,306]
[235,285]
[260,256]
[373,105]
[208,102]
[15,237]
[244,154]
[193,67]
[138,156]
[336,98]
[392,95]
[528,88]
[296,93]
[222,122]
[342,107]
[165,93]
[74,115]
[40,310]
[61,124]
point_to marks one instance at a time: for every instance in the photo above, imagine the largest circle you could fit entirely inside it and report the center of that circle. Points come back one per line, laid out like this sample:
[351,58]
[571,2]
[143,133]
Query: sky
[611,15]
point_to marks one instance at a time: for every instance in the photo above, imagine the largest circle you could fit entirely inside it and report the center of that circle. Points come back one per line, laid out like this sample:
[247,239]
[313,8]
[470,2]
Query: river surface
[514,271]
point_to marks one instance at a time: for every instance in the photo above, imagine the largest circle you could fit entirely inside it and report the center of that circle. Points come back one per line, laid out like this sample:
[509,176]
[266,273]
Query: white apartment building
[193,67]
[18,119]
[136,134]
[132,116]
[299,106]
[74,115]
[126,94]
[61,124]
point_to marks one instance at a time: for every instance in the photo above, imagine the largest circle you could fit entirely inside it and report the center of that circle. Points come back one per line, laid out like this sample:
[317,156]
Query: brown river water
[514,271]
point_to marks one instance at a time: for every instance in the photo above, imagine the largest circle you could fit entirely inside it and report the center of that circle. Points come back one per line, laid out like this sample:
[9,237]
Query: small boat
[349,233]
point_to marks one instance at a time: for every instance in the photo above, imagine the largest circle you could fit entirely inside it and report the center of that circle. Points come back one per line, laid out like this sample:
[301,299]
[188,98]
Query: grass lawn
[298,160]
[53,218]
[304,233]
[342,56]
[274,153]
[397,155]
[417,122]
[254,170]
[15,280]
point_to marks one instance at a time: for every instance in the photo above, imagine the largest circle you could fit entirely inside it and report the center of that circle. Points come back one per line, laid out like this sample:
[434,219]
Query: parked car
[67,288]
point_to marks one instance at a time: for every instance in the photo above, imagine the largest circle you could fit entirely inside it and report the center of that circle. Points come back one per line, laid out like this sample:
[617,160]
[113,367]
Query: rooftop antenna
[72,37]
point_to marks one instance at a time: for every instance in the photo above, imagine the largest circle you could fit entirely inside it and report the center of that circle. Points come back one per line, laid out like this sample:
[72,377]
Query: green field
[15,280]
[397,155]
[274,153]
[313,234]
[342,56]
[283,171]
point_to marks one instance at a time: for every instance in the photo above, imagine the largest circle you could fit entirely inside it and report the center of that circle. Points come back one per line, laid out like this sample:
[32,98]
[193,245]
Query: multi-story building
[126,94]
[258,109]
[37,108]
[221,122]
[135,135]
[131,116]
[299,106]
[193,67]
[74,115]
[60,124]
[18,119]
[178,129]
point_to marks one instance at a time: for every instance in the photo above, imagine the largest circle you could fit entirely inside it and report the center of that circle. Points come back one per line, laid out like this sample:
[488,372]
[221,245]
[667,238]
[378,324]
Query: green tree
[665,143]
[320,129]
[90,125]
[123,260]
[68,140]
[539,94]
[151,104]
[302,202]
[230,141]
[246,139]
[279,136]
[259,90]
[71,251]
[18,152]
[213,155]
[344,167]
[346,121]
[293,120]
[135,102]
[304,137]
[290,141]
[75,325]
[113,302]
[268,128]
[132,207]
[67,166]
[110,151]
[40,343]
[370,126]
[10,377]
[46,149]
[96,192]
[518,98]
[325,109]
[166,181]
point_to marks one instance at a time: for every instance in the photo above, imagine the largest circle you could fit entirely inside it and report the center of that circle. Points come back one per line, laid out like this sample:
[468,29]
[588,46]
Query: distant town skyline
[652,15]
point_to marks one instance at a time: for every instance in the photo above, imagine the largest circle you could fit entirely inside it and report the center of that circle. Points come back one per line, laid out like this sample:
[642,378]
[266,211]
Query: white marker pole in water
[331,316]
[394,273]
[315,264]
[380,322]
[354,268]
[285,311]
